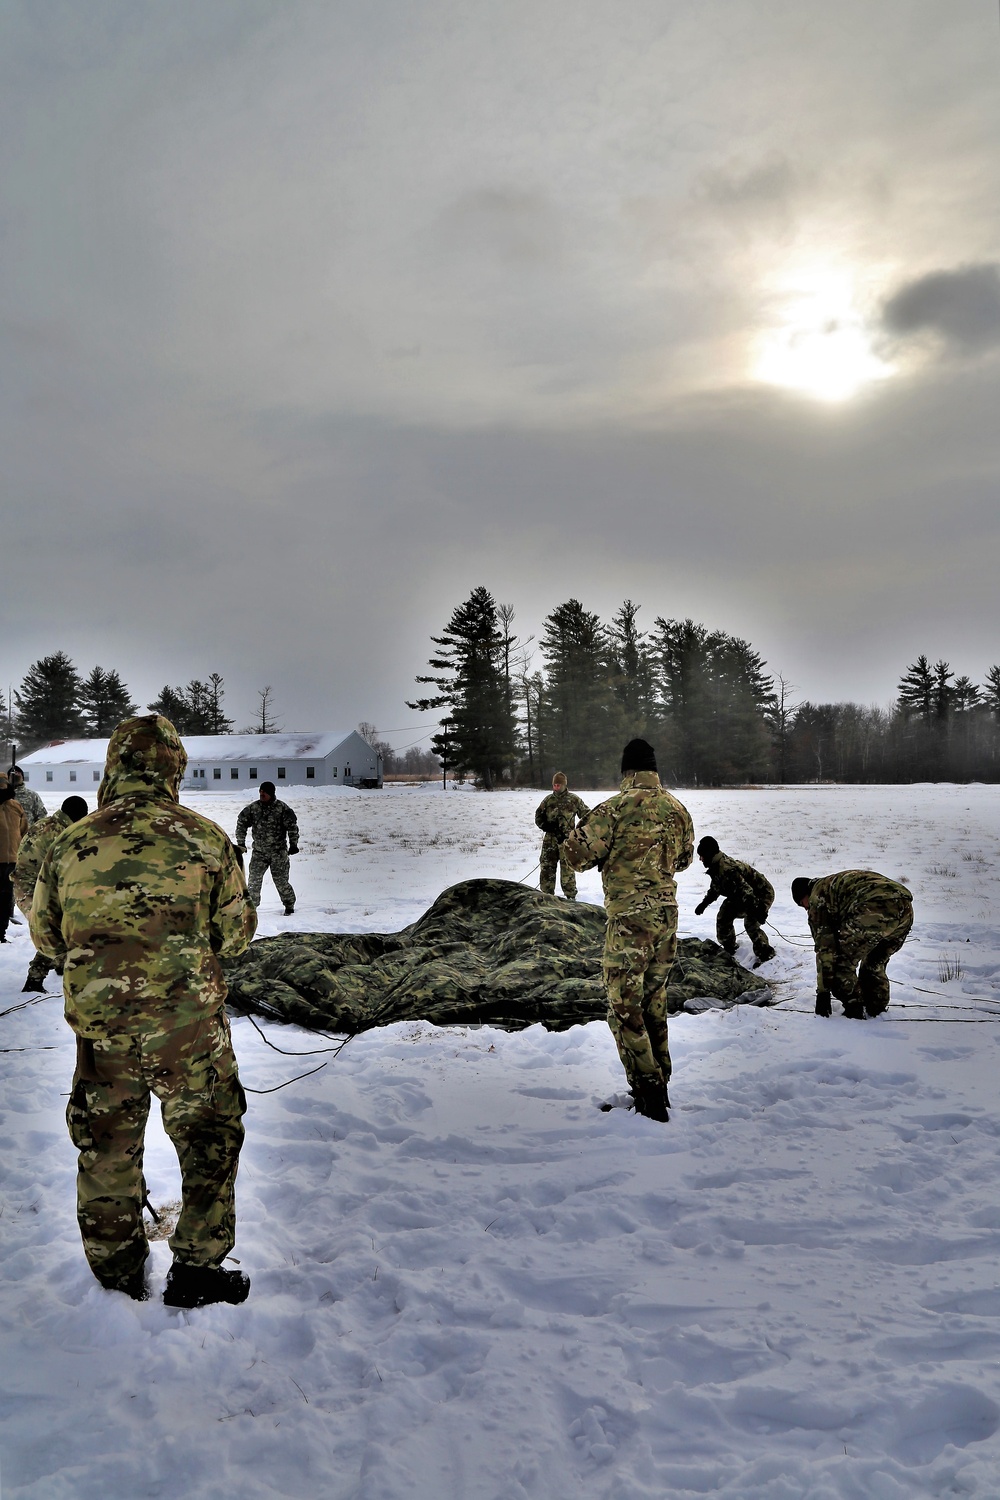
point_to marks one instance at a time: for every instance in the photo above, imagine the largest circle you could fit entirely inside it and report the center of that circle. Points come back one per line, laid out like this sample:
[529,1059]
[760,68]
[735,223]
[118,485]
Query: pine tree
[468,672]
[991,691]
[717,701]
[916,690]
[632,666]
[48,701]
[104,702]
[173,705]
[217,721]
[578,718]
[196,709]
[265,722]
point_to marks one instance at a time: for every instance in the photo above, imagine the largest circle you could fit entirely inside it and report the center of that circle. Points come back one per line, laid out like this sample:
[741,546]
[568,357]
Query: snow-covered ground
[469,1282]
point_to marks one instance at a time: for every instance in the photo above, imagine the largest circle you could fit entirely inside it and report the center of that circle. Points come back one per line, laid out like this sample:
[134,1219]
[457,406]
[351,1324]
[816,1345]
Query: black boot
[133,1286]
[33,986]
[198,1286]
[651,1100]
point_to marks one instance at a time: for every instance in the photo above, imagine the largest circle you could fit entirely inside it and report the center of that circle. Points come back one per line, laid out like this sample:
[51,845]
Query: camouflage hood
[145,758]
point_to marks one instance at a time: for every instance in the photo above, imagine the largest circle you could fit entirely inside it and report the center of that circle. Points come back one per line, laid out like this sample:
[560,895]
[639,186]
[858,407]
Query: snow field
[469,1282]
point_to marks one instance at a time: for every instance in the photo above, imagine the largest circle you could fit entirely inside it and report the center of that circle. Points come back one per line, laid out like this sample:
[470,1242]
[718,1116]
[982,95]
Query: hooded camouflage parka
[34,846]
[142,899]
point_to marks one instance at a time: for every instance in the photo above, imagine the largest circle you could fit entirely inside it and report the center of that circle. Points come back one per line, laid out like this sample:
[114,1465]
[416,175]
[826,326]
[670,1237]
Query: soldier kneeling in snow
[856,917]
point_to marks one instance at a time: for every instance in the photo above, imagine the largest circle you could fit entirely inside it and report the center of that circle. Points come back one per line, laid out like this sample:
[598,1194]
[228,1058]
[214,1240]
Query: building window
[253,773]
[281,773]
[234,773]
[26,775]
[335,773]
[310,773]
[72,775]
[97,775]
[217,774]
[48,776]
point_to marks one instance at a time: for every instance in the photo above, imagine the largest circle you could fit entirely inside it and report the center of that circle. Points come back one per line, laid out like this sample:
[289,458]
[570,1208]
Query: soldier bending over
[637,840]
[856,918]
[745,893]
[555,816]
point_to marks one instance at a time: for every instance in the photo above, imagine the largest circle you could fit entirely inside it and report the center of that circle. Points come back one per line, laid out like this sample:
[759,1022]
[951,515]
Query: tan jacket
[13,827]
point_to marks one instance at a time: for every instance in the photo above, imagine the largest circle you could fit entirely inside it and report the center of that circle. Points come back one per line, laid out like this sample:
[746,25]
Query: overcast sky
[314,316]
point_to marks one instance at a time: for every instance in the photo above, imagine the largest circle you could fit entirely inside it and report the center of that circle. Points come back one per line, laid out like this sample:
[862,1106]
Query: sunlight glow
[818,343]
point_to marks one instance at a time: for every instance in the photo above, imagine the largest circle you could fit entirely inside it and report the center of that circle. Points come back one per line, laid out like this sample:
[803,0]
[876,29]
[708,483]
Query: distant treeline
[703,697]
[56,702]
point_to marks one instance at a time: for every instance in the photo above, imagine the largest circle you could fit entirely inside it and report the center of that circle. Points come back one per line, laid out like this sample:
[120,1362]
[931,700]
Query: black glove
[293,848]
[823,1006]
[700,908]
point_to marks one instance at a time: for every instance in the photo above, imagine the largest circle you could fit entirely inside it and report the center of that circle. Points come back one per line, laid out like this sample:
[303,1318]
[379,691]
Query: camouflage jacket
[274,826]
[740,883]
[34,807]
[557,813]
[637,840]
[845,912]
[142,898]
[36,844]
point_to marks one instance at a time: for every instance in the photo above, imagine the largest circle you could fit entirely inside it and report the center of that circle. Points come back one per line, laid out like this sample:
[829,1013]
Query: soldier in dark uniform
[858,920]
[275,837]
[745,893]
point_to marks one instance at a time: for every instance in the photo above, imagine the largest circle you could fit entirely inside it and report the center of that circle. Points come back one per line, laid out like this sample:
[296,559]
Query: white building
[222,762]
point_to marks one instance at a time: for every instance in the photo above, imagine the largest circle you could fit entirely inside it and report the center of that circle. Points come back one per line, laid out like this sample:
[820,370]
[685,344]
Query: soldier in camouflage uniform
[34,807]
[745,893]
[34,846]
[140,902]
[275,837]
[638,840]
[856,918]
[556,816]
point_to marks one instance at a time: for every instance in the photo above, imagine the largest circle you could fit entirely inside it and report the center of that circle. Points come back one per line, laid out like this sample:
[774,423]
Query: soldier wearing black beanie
[638,839]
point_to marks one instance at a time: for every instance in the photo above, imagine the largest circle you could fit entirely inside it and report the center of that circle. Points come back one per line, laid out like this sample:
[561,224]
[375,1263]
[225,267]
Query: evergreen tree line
[56,702]
[703,697]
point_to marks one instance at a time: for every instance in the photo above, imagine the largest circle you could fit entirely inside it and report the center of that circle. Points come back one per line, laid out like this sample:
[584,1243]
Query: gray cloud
[769,182]
[961,306]
[314,317]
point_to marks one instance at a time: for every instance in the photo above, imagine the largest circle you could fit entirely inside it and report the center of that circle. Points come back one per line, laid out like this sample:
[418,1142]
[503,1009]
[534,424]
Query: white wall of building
[236,762]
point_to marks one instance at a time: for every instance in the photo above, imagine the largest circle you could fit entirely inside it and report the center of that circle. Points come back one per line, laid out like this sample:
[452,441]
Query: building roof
[207,747]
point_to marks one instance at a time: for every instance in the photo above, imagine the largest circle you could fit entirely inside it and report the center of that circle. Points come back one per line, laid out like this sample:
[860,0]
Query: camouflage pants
[278,864]
[38,969]
[192,1071]
[725,929]
[864,947]
[639,951]
[550,862]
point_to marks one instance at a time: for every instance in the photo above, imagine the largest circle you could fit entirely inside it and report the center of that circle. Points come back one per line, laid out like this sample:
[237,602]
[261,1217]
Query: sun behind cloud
[818,342]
